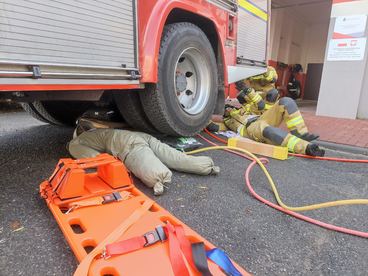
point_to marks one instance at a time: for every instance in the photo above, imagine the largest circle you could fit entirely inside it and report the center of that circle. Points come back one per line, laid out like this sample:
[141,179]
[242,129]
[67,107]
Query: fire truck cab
[166,65]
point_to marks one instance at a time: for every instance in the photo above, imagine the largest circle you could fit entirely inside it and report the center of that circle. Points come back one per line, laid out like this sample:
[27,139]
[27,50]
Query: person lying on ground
[254,121]
[145,156]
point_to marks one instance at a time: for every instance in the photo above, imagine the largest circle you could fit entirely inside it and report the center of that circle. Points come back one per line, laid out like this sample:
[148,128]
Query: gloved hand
[241,96]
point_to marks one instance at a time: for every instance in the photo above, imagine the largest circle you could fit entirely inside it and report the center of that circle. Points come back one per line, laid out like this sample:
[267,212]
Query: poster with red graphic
[348,42]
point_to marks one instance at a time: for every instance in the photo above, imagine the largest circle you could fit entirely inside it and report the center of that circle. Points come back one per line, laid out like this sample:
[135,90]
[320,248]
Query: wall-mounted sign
[350,26]
[348,42]
[346,49]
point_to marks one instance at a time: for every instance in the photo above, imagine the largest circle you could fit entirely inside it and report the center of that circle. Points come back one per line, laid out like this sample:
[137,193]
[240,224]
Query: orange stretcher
[114,229]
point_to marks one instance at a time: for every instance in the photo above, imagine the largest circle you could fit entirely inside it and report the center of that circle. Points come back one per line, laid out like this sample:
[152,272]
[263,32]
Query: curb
[345,148]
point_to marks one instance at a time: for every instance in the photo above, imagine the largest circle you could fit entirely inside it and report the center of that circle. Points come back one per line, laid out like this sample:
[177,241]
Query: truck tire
[183,100]
[56,112]
[31,110]
[130,107]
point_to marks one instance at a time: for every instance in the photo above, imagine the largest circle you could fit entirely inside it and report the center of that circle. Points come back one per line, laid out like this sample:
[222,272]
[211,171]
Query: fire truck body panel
[65,42]
[252,39]
[89,45]
[68,48]
[85,33]
[245,48]
[153,16]
[252,32]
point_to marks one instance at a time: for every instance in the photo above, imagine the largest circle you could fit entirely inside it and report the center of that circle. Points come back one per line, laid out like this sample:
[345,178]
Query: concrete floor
[262,240]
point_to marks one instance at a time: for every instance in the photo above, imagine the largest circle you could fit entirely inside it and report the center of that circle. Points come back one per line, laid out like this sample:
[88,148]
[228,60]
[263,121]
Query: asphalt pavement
[262,240]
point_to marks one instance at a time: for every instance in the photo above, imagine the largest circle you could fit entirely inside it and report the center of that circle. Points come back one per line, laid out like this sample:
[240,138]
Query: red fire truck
[166,65]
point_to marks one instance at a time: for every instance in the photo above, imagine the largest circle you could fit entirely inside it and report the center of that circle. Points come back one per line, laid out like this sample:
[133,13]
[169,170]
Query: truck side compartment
[253,24]
[68,42]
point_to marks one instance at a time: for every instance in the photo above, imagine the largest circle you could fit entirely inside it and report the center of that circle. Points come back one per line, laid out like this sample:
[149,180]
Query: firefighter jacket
[250,111]
[264,82]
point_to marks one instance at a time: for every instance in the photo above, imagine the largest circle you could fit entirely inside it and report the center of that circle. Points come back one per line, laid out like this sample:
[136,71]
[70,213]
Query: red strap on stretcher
[176,255]
[179,245]
[84,265]
[125,246]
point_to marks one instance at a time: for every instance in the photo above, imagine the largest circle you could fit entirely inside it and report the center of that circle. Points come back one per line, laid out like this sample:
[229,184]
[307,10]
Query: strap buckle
[111,198]
[152,237]
[71,209]
[104,255]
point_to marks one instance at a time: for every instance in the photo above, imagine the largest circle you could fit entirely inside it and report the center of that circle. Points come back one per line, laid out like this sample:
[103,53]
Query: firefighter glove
[241,96]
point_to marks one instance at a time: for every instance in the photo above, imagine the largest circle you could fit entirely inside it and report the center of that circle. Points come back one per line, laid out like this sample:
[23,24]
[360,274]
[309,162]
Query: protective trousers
[145,156]
[265,128]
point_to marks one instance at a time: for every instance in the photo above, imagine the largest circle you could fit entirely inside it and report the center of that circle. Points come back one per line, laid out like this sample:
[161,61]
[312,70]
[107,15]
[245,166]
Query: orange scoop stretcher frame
[115,229]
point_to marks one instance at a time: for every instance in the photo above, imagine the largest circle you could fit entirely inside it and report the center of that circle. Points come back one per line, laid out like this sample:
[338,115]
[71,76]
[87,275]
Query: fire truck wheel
[31,110]
[131,109]
[183,100]
[56,112]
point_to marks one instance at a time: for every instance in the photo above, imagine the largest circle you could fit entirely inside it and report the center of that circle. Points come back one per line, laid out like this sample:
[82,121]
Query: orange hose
[344,160]
[334,159]
[215,137]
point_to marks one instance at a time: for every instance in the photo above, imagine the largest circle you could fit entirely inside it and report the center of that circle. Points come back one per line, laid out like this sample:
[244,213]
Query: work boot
[314,150]
[306,136]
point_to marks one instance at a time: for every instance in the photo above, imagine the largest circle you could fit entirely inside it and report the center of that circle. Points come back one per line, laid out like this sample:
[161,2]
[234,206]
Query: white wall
[315,40]
[363,103]
[287,34]
[344,86]
[277,18]
[294,40]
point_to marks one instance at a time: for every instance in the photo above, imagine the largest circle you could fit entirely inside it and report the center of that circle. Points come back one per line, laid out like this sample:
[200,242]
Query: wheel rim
[192,81]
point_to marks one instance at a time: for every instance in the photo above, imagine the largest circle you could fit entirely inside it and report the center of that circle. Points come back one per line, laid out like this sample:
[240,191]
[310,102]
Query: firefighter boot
[314,150]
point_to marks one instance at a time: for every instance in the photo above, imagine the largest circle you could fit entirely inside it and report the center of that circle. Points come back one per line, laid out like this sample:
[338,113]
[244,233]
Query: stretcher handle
[82,161]
[97,158]
[96,164]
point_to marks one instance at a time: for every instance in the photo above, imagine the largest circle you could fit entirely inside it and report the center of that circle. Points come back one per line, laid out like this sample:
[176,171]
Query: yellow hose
[274,189]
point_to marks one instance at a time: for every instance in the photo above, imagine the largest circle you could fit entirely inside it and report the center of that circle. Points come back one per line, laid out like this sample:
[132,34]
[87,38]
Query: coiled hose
[274,188]
[288,210]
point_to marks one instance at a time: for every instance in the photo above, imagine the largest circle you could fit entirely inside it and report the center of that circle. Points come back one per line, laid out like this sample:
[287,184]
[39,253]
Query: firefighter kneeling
[253,120]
